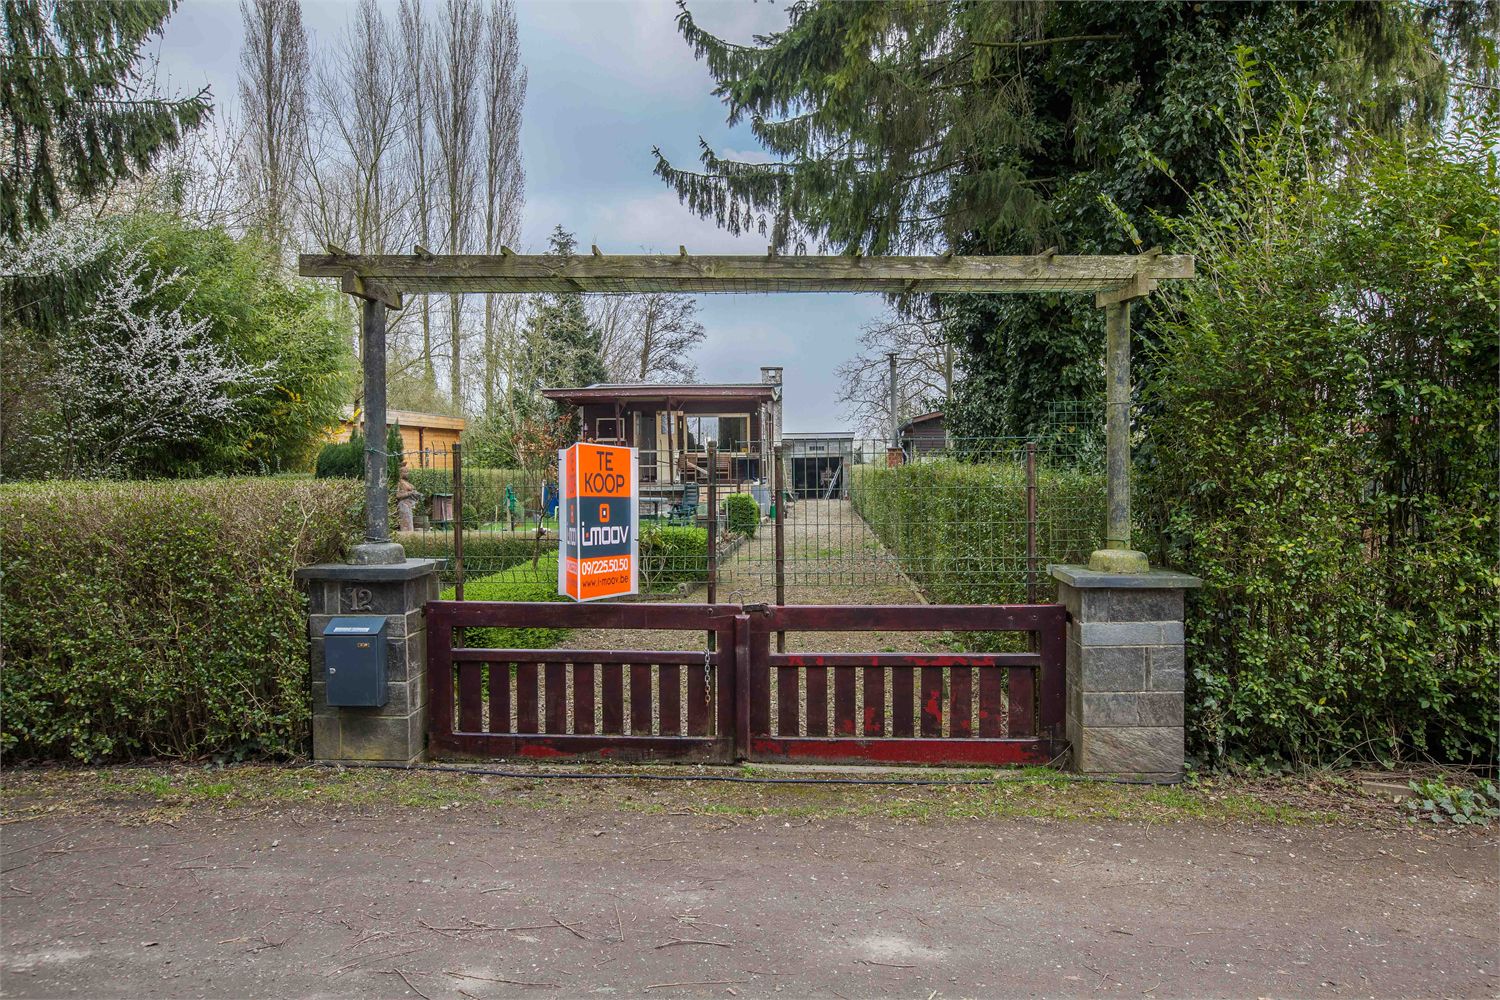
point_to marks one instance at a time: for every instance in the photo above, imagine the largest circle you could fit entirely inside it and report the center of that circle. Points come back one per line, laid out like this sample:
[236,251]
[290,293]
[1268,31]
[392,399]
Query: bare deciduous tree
[648,336]
[503,98]
[927,366]
[414,59]
[273,72]
[455,111]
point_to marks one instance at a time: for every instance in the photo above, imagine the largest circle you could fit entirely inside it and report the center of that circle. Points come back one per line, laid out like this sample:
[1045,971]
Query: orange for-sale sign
[598,548]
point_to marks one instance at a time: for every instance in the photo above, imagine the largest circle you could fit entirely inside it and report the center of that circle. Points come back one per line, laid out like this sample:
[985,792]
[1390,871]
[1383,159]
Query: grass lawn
[153,794]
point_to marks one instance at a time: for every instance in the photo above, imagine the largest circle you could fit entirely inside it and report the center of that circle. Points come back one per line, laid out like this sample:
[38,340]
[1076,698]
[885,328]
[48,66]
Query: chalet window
[728,432]
[608,429]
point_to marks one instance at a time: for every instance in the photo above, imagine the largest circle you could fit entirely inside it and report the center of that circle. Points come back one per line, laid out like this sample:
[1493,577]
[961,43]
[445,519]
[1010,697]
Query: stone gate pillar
[1125,670]
[397,591]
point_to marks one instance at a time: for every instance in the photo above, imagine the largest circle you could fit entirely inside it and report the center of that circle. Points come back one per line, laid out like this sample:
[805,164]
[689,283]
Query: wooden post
[458,521]
[779,505]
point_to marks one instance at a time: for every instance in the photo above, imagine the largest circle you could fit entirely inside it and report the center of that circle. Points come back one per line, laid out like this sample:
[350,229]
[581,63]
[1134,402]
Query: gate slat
[583,699]
[640,699]
[470,706]
[874,701]
[500,697]
[817,701]
[526,698]
[843,701]
[670,699]
[555,695]
[932,701]
[902,692]
[960,702]
[612,691]
[991,700]
[788,700]
[697,706]
[760,690]
[1022,718]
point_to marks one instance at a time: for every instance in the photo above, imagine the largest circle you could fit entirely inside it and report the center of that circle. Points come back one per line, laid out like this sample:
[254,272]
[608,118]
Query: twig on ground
[703,982]
[677,941]
[408,982]
[888,965]
[496,979]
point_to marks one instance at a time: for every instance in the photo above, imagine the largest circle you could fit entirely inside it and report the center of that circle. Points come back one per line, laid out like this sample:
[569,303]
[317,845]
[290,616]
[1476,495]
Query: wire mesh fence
[831,519]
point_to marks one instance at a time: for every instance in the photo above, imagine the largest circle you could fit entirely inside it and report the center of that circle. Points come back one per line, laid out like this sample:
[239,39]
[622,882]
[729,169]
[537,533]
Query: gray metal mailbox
[354,655]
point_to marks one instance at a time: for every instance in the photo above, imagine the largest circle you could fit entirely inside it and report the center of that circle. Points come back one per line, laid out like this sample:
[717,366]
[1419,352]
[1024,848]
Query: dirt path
[548,902]
[832,557]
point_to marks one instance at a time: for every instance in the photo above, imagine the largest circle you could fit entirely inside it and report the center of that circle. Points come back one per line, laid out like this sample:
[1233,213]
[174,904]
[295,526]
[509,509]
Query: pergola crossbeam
[501,273]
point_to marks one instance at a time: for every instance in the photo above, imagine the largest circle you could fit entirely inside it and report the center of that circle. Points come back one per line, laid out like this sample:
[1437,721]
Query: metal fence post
[458,521]
[713,535]
[1031,554]
[779,505]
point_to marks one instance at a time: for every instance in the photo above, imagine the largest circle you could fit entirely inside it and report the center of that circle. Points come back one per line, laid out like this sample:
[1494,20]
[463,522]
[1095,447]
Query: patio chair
[685,511]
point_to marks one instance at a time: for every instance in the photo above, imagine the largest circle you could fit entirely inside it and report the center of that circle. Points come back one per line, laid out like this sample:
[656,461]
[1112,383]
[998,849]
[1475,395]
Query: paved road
[538,902]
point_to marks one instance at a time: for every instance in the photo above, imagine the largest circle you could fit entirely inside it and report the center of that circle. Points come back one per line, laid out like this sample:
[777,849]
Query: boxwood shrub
[742,514]
[672,554]
[161,618]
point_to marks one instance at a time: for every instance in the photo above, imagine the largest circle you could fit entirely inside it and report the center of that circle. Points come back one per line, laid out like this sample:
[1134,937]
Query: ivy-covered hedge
[959,528]
[1322,449]
[161,618]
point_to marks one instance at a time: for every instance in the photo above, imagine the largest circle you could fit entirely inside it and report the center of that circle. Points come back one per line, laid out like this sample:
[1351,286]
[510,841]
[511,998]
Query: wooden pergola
[382,281]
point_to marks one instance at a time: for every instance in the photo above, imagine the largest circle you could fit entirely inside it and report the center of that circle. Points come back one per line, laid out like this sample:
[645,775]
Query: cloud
[644,223]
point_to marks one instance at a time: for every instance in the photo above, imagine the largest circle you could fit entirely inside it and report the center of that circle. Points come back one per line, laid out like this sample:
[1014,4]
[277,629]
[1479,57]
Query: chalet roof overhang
[387,276]
[646,392]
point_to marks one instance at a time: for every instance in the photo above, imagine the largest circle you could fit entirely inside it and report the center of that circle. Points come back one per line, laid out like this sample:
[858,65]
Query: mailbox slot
[354,661]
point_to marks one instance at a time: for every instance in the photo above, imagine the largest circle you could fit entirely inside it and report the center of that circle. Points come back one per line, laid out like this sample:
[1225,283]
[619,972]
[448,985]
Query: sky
[609,79]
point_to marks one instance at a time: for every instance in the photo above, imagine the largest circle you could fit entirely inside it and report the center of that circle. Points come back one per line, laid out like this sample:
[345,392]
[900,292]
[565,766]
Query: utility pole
[895,413]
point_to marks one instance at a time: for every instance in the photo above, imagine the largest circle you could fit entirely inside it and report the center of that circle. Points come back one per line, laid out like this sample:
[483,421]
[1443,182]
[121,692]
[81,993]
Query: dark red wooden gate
[905,708]
[554,703]
[742,700]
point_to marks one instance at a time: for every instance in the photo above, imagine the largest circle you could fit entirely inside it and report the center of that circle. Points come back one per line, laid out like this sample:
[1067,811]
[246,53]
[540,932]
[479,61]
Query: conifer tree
[77,116]
[1015,125]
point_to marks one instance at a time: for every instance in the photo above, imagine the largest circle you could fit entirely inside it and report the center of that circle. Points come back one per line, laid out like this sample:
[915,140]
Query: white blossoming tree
[133,371]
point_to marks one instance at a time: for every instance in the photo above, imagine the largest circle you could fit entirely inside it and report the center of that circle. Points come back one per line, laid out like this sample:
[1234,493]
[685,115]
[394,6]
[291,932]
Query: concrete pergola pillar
[1118,554]
[376,581]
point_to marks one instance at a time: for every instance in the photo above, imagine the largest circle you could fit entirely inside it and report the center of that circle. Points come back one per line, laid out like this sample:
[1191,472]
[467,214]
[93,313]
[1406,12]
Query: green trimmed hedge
[672,554]
[484,490]
[485,552]
[742,514]
[161,618]
[536,583]
[959,529]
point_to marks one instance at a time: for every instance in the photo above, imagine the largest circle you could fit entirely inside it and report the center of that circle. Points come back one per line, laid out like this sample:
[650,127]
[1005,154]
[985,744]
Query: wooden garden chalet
[672,425]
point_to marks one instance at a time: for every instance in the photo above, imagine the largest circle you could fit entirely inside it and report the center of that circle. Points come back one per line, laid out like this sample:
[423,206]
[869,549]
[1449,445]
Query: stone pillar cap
[1157,579]
[408,569]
